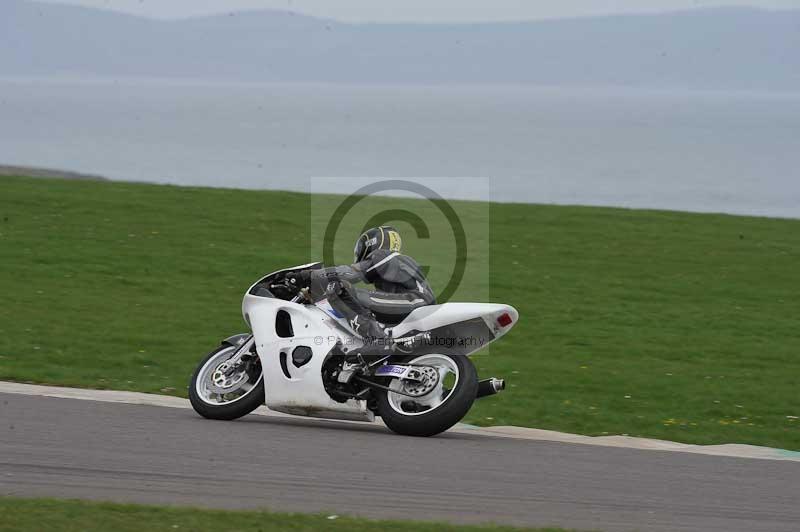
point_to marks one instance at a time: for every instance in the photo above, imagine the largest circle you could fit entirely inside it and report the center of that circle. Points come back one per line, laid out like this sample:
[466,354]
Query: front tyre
[438,410]
[218,393]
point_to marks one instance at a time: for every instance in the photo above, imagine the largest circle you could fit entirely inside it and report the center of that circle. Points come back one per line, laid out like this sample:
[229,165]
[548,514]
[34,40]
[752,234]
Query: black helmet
[384,237]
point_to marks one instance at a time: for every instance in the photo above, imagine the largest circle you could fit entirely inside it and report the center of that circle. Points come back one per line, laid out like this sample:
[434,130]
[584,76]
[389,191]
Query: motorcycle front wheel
[224,395]
[438,410]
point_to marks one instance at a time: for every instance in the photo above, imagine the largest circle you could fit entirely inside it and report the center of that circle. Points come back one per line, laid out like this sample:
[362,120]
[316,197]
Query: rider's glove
[301,279]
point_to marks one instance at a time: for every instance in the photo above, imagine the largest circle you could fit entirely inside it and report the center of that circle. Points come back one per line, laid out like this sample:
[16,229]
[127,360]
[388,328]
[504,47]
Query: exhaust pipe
[489,387]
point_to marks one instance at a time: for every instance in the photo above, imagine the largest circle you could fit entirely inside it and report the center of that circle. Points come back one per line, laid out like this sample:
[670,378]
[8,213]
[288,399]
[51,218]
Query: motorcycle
[295,360]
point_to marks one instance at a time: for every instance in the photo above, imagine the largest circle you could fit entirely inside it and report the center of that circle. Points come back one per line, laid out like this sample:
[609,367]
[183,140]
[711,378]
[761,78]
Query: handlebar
[300,294]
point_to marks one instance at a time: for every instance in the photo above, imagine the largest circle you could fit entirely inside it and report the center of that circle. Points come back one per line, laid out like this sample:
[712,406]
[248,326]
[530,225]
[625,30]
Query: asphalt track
[147,454]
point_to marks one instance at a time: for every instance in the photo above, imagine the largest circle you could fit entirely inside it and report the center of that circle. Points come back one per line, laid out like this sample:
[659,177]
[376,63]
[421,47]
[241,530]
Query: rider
[400,287]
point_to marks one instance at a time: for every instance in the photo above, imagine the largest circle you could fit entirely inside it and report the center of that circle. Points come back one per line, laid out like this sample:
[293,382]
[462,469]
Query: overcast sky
[420,10]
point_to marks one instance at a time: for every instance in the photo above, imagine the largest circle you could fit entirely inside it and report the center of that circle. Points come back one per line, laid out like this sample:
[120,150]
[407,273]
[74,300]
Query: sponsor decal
[391,370]
[326,306]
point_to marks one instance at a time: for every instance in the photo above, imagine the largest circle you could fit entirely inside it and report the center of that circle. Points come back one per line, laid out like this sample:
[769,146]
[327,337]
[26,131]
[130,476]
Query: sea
[688,150]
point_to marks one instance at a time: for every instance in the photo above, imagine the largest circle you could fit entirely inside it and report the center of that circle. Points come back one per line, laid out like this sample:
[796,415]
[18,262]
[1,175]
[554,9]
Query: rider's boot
[376,346]
[376,343]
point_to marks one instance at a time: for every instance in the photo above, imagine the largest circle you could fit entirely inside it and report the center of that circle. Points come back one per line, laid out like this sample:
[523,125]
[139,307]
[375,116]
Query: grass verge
[661,324]
[33,515]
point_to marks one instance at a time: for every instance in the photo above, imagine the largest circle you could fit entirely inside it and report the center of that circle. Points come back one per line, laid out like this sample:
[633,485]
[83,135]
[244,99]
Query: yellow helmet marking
[395,242]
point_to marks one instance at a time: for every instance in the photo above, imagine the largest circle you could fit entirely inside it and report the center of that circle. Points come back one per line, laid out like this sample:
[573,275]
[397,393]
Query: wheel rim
[218,387]
[444,389]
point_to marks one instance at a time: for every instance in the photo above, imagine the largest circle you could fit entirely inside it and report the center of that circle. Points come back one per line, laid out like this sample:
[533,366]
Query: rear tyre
[215,395]
[438,410]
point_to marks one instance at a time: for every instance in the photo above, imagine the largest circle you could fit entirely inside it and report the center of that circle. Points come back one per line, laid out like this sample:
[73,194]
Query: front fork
[243,344]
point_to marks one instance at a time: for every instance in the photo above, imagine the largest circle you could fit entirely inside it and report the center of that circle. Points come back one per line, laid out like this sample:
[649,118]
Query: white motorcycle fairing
[294,340]
[497,318]
[293,382]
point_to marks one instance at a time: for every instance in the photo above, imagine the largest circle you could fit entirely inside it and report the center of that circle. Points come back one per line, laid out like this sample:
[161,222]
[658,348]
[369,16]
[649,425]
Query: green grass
[34,515]
[661,324]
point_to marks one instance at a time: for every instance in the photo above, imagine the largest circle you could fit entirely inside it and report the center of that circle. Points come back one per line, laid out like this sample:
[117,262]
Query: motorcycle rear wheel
[243,394]
[438,410]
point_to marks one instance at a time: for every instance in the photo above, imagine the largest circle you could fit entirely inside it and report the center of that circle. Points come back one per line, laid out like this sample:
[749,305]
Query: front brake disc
[222,383]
